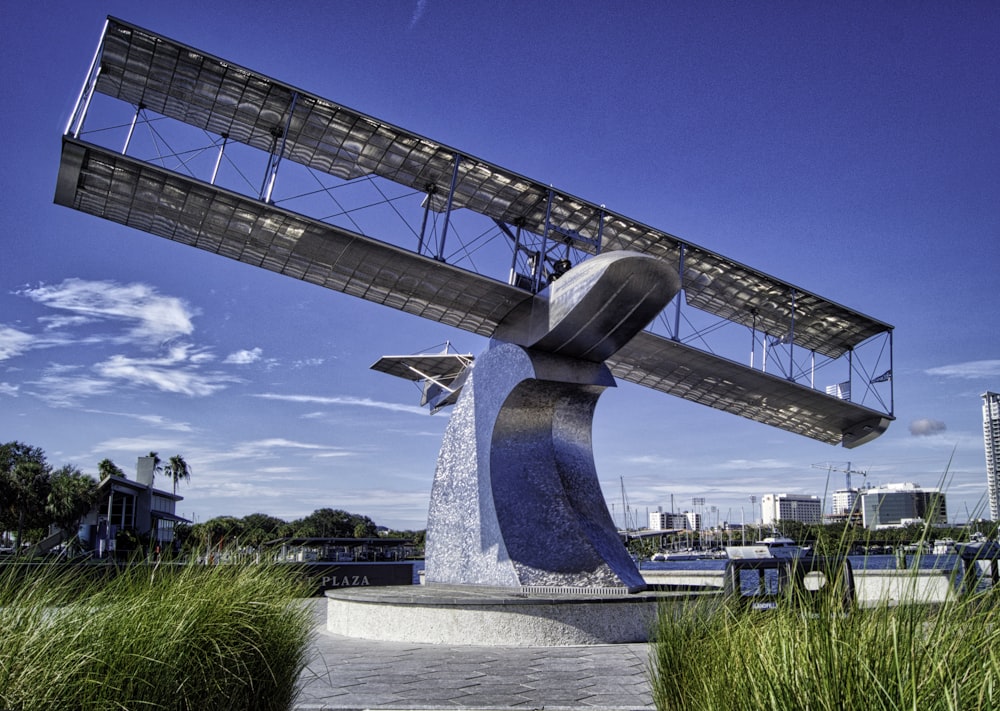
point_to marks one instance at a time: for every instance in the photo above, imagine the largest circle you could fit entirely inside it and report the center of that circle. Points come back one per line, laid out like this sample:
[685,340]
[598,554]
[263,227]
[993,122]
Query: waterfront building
[991,441]
[663,521]
[131,507]
[693,519]
[846,507]
[844,501]
[804,508]
[894,505]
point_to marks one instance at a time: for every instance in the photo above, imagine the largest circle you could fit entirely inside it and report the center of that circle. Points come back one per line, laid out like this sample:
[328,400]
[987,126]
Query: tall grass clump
[170,637]
[811,654]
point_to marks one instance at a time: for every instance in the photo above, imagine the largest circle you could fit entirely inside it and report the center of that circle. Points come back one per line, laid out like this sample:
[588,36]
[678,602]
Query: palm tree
[107,468]
[31,484]
[177,469]
[71,496]
[157,466]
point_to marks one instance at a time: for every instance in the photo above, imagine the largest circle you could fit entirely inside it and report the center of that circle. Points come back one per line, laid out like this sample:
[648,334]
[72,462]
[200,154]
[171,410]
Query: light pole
[697,503]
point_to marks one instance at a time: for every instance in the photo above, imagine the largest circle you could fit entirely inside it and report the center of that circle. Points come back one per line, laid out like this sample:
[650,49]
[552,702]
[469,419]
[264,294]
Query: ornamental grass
[812,653]
[163,637]
[883,658]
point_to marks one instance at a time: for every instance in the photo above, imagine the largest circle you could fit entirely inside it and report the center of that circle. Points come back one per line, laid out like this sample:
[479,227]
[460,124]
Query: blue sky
[852,149]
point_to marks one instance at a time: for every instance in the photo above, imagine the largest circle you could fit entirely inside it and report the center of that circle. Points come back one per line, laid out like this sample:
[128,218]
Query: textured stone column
[516,501]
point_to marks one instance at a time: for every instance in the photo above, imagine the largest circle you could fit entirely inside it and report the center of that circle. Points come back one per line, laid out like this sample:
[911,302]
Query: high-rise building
[844,501]
[991,440]
[661,521]
[791,507]
[693,520]
[901,504]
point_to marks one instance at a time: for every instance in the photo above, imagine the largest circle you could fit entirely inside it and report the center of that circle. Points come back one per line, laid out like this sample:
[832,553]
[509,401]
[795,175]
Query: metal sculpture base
[466,615]
[516,503]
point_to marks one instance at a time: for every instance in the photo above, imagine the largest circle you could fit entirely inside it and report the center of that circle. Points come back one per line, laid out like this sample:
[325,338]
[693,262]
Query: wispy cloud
[650,460]
[343,401]
[176,372]
[138,446]
[308,362]
[61,388]
[770,464]
[244,357]
[418,12]
[8,389]
[14,342]
[257,455]
[153,317]
[151,419]
[968,370]
[56,323]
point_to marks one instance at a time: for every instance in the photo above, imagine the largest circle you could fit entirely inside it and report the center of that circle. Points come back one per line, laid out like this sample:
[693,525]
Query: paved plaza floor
[346,673]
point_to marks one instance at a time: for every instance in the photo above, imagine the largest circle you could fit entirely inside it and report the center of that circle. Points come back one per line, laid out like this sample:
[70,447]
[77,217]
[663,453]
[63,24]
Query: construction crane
[847,472]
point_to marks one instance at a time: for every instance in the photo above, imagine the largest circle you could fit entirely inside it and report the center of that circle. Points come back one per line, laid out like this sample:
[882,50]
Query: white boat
[944,546]
[782,547]
[770,547]
[663,556]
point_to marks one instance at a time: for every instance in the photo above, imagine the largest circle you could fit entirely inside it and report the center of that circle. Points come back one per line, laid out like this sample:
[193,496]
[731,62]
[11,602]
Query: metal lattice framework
[544,231]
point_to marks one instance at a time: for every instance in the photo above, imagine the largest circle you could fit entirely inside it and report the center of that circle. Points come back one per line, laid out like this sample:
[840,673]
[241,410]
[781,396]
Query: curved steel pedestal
[516,502]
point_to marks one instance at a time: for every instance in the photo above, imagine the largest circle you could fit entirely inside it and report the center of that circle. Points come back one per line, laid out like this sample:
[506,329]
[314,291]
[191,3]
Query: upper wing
[141,195]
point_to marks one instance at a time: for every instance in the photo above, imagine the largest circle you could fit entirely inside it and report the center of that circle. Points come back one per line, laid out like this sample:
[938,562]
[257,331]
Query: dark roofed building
[136,506]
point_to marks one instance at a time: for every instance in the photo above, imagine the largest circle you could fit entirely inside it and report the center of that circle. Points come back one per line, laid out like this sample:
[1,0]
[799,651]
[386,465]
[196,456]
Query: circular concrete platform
[466,615]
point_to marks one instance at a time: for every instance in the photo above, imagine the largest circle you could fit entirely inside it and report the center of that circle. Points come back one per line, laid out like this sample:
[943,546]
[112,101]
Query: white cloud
[8,389]
[244,357]
[756,464]
[154,318]
[308,362]
[349,401]
[281,442]
[55,323]
[650,459]
[156,420]
[138,446]
[67,392]
[173,373]
[258,451]
[418,12]
[968,370]
[14,342]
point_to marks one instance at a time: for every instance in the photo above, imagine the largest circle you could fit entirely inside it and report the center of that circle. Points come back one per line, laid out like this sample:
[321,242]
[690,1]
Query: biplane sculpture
[571,294]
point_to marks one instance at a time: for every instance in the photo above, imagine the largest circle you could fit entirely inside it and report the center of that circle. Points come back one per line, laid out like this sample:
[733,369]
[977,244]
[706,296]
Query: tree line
[34,496]
[258,528]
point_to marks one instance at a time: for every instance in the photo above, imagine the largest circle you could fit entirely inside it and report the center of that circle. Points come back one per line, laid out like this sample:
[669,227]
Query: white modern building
[844,501]
[895,505]
[804,508]
[663,521]
[991,440]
